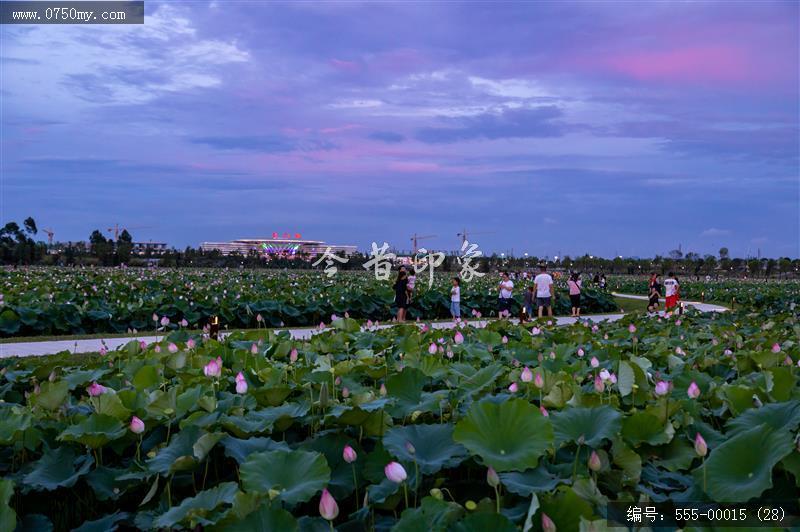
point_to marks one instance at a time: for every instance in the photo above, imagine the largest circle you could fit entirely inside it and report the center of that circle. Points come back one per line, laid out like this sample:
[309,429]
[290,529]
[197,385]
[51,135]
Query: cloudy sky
[553,127]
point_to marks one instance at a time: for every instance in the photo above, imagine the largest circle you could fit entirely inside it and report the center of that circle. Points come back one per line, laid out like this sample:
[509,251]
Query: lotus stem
[405,492]
[497,498]
[575,463]
[355,481]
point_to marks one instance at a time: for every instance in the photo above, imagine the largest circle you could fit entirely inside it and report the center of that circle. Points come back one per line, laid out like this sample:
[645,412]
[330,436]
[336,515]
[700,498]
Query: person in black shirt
[401,294]
[654,292]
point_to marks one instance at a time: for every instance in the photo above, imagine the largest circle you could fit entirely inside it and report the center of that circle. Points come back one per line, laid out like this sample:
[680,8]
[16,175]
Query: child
[455,299]
[528,301]
[673,292]
[412,279]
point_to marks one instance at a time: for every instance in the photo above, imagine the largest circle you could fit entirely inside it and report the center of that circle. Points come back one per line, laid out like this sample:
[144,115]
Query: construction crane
[117,229]
[463,235]
[50,234]
[414,240]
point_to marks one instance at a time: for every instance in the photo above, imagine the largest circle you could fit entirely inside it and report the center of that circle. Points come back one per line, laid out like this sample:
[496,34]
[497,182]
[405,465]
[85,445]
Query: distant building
[149,248]
[278,247]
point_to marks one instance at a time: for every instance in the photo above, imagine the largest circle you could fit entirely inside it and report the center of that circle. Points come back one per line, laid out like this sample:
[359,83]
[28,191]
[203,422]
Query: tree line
[18,247]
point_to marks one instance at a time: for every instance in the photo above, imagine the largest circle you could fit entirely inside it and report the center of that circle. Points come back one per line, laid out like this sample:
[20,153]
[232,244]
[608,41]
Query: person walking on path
[455,299]
[654,292]
[673,291]
[574,285]
[506,288]
[401,294]
[543,284]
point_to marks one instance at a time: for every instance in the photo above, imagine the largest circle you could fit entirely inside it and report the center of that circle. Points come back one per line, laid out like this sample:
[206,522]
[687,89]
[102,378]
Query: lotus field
[48,301]
[503,427]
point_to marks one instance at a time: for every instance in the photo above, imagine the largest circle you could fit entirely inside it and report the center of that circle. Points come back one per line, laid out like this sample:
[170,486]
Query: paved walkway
[93,345]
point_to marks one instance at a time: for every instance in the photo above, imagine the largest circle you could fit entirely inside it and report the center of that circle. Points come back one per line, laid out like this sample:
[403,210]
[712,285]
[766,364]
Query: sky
[552,128]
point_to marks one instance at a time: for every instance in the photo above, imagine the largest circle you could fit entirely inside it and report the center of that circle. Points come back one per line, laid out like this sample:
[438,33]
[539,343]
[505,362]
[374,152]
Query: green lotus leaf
[433,446]
[741,468]
[200,509]
[181,446]
[296,475]
[94,431]
[566,508]
[625,379]
[643,427]
[266,518]
[51,395]
[12,425]
[508,436]
[590,425]
[531,481]
[58,468]
[239,450]
[432,514]
[82,377]
[104,524]
[8,517]
[33,523]
[146,377]
[779,416]
[110,404]
[482,521]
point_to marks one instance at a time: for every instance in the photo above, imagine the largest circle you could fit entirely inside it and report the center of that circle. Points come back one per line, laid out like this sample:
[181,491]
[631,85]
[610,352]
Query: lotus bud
[776,347]
[505,339]
[293,355]
[538,381]
[395,472]
[136,425]
[458,338]
[172,348]
[631,328]
[164,321]
[349,454]
[594,462]
[693,391]
[241,386]
[527,375]
[436,493]
[544,411]
[259,318]
[491,477]
[594,362]
[581,352]
[513,387]
[662,387]
[345,392]
[212,369]
[155,317]
[190,343]
[547,524]
[383,389]
[432,349]
[598,384]
[700,446]
[184,323]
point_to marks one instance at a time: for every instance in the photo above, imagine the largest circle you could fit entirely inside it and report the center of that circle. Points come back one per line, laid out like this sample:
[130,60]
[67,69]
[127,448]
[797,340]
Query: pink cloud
[347,66]
[340,129]
[689,64]
[413,167]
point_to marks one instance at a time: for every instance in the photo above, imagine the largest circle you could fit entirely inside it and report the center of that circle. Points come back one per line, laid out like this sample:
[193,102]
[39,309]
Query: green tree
[124,247]
[723,254]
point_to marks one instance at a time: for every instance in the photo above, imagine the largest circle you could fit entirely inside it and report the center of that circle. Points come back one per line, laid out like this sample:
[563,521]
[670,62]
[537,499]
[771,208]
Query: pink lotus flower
[513,387]
[328,508]
[605,375]
[678,322]
[254,349]
[190,343]
[492,478]
[594,362]
[581,352]
[449,354]
[505,339]
[612,378]
[103,350]
[184,323]
[662,387]
[536,331]
[700,446]
[334,317]
[212,369]
[727,352]
[293,355]
[349,454]
[322,325]
[259,318]
[172,348]
[395,472]
[547,524]
[432,349]
[95,389]
[679,351]
[538,381]
[776,347]
[458,338]
[594,462]
[544,411]
[693,391]
[631,328]
[527,375]
[164,321]
[155,317]
[595,328]
[383,389]
[142,345]
[598,384]
[345,392]
[136,425]
[157,348]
